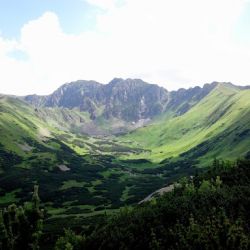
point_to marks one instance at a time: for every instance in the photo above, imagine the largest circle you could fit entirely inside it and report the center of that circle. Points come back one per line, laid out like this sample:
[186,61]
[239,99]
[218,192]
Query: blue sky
[45,43]
[75,16]
[242,28]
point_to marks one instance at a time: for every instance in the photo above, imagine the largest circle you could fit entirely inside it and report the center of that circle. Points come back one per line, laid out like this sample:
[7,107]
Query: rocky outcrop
[130,100]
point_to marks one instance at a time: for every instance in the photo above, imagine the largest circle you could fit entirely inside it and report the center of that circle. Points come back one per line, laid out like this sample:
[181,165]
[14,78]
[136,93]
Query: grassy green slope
[33,147]
[24,128]
[74,172]
[15,125]
[62,118]
[20,121]
[221,119]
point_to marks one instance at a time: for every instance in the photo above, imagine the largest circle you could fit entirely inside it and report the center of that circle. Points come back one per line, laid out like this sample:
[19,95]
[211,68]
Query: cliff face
[130,100]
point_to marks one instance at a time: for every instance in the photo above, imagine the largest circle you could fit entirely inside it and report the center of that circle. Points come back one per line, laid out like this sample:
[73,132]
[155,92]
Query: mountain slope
[217,126]
[74,171]
[209,211]
[129,100]
[196,122]
[44,141]
[121,105]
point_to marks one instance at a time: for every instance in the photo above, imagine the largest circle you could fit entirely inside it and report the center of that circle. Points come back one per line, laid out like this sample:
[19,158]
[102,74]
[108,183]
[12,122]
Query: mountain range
[199,121]
[116,96]
[121,104]
[196,121]
[87,139]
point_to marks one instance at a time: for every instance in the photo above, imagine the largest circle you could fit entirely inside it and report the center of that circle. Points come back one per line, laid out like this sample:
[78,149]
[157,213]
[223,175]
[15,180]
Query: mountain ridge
[217,126]
[189,118]
[130,100]
[90,96]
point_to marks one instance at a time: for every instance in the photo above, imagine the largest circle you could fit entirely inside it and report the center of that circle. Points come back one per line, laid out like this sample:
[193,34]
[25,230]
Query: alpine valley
[94,148]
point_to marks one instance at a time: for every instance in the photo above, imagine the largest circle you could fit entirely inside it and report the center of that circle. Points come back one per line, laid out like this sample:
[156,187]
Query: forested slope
[208,211]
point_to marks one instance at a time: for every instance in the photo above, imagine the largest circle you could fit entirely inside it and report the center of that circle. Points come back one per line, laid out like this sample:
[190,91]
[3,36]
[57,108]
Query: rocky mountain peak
[130,100]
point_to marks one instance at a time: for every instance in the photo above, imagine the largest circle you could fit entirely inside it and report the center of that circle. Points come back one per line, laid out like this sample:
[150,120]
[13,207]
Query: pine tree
[36,219]
[3,233]
[35,198]
[154,243]
[21,228]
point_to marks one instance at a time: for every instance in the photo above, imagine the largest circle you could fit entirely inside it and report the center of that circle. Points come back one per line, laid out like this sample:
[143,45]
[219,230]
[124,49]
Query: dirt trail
[159,192]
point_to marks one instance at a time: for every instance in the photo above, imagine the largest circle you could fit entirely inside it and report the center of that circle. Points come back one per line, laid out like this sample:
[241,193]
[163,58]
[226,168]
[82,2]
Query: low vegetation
[205,211]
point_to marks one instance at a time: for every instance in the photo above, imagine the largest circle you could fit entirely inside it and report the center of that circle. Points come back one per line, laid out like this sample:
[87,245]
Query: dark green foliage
[21,227]
[8,159]
[136,161]
[207,211]
[87,169]
[198,150]
[69,241]
[248,155]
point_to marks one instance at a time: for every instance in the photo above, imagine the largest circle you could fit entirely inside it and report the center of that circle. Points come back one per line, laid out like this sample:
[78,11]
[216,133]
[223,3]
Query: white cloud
[103,4]
[174,43]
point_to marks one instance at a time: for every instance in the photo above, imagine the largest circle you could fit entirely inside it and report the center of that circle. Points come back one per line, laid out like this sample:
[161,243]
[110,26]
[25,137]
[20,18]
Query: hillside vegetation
[76,173]
[91,158]
[205,211]
[217,126]
[208,211]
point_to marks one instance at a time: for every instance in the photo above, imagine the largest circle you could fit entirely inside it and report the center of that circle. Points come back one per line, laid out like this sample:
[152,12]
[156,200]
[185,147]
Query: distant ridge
[130,100]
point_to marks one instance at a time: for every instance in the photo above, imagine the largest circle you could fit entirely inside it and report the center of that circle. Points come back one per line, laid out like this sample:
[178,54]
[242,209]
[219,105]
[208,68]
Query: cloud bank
[172,43]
